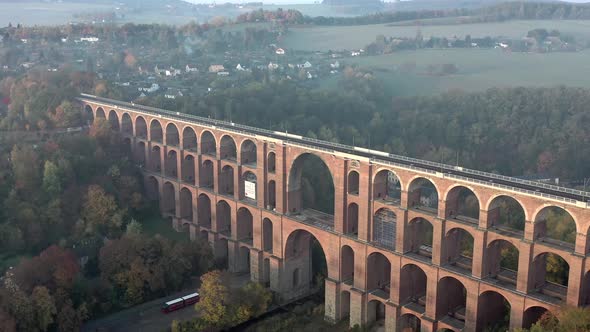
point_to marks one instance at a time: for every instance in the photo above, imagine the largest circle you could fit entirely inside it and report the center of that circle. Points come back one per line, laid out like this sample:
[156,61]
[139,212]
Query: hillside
[353,2]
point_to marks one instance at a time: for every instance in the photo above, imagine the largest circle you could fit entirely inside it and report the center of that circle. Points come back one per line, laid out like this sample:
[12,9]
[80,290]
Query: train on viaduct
[414,245]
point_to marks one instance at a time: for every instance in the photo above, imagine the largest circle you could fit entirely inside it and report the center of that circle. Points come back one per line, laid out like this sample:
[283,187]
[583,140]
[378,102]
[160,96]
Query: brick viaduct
[393,245]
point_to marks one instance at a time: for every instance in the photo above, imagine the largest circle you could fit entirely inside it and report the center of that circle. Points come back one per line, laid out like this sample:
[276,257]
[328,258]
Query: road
[147,317]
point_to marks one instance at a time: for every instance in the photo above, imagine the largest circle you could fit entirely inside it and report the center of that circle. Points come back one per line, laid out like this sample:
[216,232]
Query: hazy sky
[289,2]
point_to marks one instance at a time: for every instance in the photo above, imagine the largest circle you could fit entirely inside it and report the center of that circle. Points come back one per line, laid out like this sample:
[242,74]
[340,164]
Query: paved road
[147,317]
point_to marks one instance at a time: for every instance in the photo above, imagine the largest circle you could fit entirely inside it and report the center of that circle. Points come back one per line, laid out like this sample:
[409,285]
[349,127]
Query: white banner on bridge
[250,189]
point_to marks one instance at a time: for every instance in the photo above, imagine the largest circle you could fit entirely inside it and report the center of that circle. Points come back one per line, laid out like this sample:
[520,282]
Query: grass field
[478,70]
[154,224]
[320,38]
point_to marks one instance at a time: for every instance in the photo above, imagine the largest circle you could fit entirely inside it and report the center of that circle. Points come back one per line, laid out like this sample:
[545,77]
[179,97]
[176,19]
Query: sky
[278,2]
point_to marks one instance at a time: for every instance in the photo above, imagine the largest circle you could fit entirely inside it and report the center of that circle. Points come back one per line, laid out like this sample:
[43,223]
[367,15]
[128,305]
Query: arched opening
[249,187]
[538,314]
[266,272]
[409,323]
[506,215]
[311,190]
[208,144]
[152,189]
[353,183]
[272,195]
[186,205]
[245,230]
[168,199]
[220,250]
[127,145]
[156,159]
[272,162]
[188,169]
[345,306]
[172,164]
[189,139]
[204,236]
[347,265]
[156,131]
[204,211]
[226,181]
[493,313]
[419,238]
[114,121]
[376,314]
[88,115]
[139,153]
[304,253]
[451,301]
[502,262]
[379,281]
[585,298]
[387,187]
[206,174]
[227,148]
[351,226]
[243,261]
[423,195]
[248,153]
[413,286]
[267,235]
[100,113]
[126,124]
[556,226]
[223,218]
[384,228]
[172,136]
[550,274]
[140,128]
[463,205]
[458,249]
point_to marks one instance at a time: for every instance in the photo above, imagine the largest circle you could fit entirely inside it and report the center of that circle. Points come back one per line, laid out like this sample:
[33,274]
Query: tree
[214,298]
[130,60]
[44,307]
[25,166]
[568,319]
[67,115]
[99,210]
[51,179]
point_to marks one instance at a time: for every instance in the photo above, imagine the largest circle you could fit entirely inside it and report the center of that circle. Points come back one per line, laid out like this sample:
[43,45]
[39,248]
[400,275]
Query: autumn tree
[214,298]
[44,307]
[100,211]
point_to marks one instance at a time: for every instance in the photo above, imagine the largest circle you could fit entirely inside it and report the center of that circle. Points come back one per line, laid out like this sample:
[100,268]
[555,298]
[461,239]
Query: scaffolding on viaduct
[413,244]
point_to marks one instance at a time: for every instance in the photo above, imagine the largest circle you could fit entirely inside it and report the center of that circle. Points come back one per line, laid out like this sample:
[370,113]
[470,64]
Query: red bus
[180,303]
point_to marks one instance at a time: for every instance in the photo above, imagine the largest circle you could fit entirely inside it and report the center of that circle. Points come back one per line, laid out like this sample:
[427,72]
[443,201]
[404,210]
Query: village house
[223,73]
[191,69]
[155,87]
[307,64]
[216,68]
[280,51]
[273,66]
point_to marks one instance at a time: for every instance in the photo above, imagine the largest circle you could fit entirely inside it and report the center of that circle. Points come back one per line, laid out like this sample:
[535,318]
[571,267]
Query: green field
[154,224]
[324,38]
[479,69]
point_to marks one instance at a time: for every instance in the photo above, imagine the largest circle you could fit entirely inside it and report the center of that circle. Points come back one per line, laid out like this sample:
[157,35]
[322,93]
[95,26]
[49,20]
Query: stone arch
[206,174]
[156,159]
[506,213]
[534,314]
[585,296]
[223,218]
[244,229]
[458,248]
[188,169]
[249,186]
[139,153]
[204,211]
[409,323]
[347,265]
[172,135]
[100,113]
[141,128]
[126,124]
[152,188]
[189,139]
[501,262]
[169,199]
[384,228]
[555,225]
[227,148]
[114,121]
[419,236]
[156,132]
[186,204]
[462,203]
[226,180]
[379,280]
[272,162]
[387,187]
[267,235]
[550,275]
[88,114]
[311,175]
[451,300]
[353,183]
[243,260]
[376,313]
[423,195]
[298,255]
[272,195]
[248,153]
[208,143]
[413,285]
[493,312]
[171,166]
[351,225]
